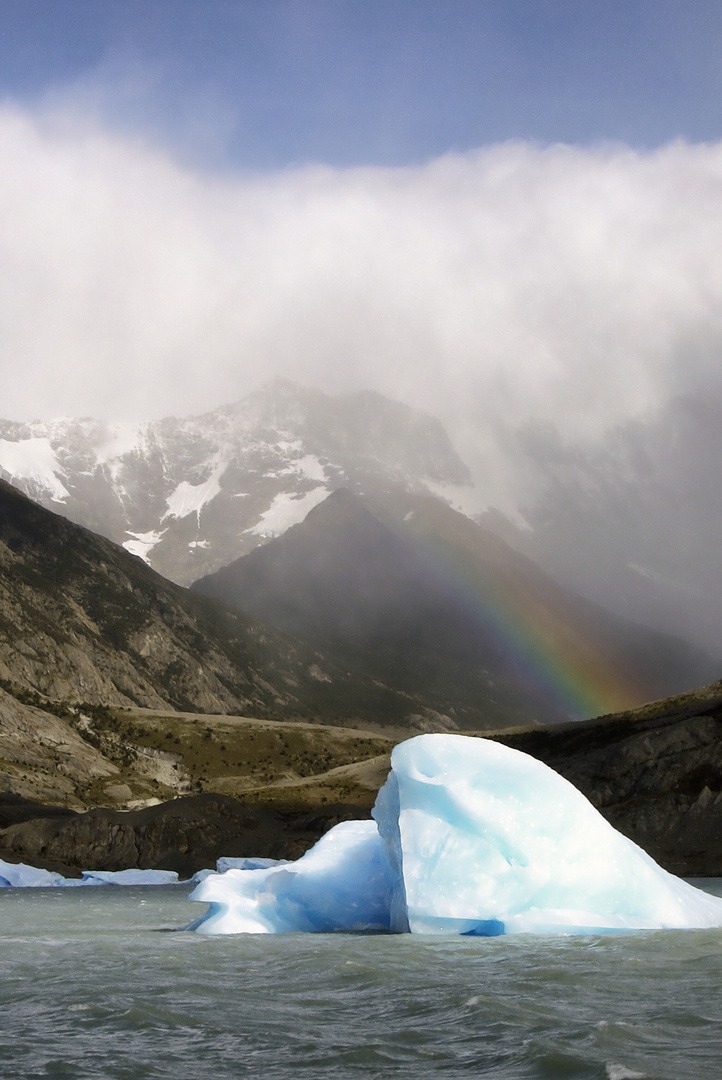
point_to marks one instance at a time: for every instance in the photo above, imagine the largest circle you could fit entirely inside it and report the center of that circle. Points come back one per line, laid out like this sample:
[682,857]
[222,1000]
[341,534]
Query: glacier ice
[227,862]
[21,876]
[128,877]
[470,837]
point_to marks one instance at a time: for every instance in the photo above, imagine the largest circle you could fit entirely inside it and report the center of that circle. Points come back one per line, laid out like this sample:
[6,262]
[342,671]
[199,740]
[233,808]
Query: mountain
[190,495]
[405,590]
[632,524]
[82,620]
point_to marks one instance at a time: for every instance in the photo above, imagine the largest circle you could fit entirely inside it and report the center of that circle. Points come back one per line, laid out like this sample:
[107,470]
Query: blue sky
[267,84]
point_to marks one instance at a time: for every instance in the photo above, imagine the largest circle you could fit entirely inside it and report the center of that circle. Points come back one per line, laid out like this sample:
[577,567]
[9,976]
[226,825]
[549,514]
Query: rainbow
[545,636]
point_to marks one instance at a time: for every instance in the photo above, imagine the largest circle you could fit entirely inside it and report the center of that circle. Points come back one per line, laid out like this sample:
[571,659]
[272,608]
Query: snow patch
[308,466]
[287,509]
[121,441]
[191,498]
[34,460]
[142,543]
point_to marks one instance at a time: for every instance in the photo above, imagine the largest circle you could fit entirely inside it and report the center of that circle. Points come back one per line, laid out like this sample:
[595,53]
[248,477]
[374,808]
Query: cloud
[516,284]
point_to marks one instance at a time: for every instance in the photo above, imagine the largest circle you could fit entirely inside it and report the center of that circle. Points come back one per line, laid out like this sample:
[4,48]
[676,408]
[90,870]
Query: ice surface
[473,838]
[342,883]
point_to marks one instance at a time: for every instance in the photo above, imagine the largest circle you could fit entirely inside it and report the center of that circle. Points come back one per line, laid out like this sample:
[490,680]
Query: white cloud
[575,286]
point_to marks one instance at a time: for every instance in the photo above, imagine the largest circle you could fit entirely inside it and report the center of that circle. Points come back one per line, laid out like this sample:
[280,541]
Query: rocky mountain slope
[190,495]
[82,620]
[410,592]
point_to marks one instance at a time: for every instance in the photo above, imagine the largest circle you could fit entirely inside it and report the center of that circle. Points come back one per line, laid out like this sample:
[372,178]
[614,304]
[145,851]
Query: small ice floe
[20,876]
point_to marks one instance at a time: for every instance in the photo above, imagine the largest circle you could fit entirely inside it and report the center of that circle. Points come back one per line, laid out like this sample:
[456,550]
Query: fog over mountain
[557,308]
[190,495]
[634,520]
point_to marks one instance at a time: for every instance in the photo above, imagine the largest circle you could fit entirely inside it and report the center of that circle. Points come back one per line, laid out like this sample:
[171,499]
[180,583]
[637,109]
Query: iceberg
[469,837]
[128,877]
[485,840]
[226,862]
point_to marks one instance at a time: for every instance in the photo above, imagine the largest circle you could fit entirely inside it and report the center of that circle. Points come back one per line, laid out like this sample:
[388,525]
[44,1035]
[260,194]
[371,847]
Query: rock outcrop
[184,835]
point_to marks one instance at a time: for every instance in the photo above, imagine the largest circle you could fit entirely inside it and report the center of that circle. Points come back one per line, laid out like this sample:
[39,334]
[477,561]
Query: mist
[515,285]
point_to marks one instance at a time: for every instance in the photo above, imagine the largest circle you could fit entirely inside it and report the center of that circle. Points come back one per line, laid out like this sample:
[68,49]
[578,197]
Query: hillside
[82,620]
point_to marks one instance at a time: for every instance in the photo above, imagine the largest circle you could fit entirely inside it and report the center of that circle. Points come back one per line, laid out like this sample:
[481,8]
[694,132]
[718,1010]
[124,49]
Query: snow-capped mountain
[190,495]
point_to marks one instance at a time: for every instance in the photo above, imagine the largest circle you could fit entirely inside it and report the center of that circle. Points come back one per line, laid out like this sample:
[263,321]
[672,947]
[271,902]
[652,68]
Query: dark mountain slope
[428,602]
[83,620]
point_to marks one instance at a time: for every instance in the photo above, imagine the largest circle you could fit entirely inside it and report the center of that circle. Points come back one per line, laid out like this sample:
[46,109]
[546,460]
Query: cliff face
[184,835]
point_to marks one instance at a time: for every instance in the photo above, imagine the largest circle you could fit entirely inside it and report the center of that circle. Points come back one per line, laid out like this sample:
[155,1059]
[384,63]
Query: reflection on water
[90,988]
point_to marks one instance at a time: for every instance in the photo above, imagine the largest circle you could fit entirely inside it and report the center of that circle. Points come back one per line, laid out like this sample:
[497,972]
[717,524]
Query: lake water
[96,983]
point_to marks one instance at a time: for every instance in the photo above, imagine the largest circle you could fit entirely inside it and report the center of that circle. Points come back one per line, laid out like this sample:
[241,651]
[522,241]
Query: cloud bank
[558,285]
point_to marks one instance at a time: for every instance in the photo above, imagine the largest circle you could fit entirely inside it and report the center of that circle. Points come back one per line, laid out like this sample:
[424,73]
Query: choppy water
[94,984]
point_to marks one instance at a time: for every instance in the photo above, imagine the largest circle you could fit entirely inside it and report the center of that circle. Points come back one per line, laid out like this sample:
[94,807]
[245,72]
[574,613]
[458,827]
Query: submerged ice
[469,837]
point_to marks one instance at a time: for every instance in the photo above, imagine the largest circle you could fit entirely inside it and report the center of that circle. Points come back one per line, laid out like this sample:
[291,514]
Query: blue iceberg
[469,837]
